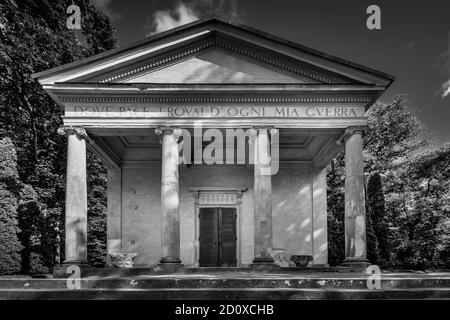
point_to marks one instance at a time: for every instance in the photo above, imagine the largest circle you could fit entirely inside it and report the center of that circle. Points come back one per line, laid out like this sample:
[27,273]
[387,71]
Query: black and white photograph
[217,157]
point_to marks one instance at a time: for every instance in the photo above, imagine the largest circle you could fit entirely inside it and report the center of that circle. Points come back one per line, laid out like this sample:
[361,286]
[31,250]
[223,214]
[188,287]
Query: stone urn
[301,261]
[122,260]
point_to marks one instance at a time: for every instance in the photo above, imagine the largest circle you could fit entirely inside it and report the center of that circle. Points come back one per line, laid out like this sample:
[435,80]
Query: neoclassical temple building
[216,138]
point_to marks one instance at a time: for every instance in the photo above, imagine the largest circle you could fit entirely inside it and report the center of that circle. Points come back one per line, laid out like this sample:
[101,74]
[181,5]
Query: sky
[413,43]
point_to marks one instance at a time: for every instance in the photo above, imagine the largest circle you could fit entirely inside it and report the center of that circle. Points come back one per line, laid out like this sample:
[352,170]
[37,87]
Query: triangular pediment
[215,59]
[213,51]
[214,66]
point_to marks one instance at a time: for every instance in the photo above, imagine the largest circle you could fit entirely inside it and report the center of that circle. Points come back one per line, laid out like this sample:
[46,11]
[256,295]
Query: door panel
[217,237]
[209,242]
[227,237]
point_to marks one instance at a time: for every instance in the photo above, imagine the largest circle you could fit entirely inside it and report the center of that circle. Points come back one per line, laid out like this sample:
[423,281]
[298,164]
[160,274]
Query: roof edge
[213,20]
[127,47]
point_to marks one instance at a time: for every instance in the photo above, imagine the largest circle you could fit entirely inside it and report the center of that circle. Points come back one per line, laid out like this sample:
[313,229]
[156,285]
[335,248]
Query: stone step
[229,282]
[60,271]
[223,294]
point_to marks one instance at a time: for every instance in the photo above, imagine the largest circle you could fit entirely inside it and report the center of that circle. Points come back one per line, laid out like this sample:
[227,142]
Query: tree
[96,212]
[9,243]
[394,147]
[379,220]
[33,38]
[371,238]
[335,211]
[427,232]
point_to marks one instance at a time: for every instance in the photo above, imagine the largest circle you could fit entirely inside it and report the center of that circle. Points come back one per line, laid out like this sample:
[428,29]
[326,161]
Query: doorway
[217,237]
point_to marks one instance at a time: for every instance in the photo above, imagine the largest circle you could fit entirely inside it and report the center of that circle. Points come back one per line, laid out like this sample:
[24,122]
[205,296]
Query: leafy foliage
[376,205]
[336,209]
[96,212]
[9,243]
[33,38]
[371,238]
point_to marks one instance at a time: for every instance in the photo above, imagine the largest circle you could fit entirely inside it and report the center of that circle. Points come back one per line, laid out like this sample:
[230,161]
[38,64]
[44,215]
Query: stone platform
[61,271]
[198,283]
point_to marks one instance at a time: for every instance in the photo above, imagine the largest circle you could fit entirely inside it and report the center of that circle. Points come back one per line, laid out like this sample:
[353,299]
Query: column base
[80,263]
[355,262]
[170,262]
[169,267]
[263,262]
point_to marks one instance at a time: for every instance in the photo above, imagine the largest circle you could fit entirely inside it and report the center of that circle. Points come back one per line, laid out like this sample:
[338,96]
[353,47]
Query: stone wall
[295,229]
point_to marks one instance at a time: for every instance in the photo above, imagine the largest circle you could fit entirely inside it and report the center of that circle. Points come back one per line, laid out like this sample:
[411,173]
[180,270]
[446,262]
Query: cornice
[194,50]
[202,99]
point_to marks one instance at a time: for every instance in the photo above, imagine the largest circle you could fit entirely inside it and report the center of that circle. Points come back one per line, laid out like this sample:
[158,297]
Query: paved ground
[255,275]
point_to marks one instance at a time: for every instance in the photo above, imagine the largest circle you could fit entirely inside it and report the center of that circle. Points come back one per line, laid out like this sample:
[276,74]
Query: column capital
[353,129]
[162,130]
[349,131]
[69,130]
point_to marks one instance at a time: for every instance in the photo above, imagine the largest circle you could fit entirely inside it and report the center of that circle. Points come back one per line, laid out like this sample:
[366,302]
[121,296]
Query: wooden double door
[217,237]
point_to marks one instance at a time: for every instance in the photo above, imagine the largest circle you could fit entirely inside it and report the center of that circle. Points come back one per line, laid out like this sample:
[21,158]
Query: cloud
[105,7]
[444,64]
[445,89]
[168,19]
[190,10]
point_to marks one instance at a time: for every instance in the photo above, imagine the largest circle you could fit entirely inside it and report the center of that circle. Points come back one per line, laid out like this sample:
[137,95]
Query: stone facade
[295,229]
[140,108]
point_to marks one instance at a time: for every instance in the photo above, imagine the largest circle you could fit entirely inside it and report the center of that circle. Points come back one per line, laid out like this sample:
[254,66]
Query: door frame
[210,197]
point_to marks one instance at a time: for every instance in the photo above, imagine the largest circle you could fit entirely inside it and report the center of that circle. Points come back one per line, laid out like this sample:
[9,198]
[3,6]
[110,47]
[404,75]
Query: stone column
[355,206]
[262,199]
[170,233]
[76,196]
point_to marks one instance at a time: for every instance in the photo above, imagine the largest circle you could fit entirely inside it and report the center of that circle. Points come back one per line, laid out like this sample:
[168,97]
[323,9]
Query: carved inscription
[198,112]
